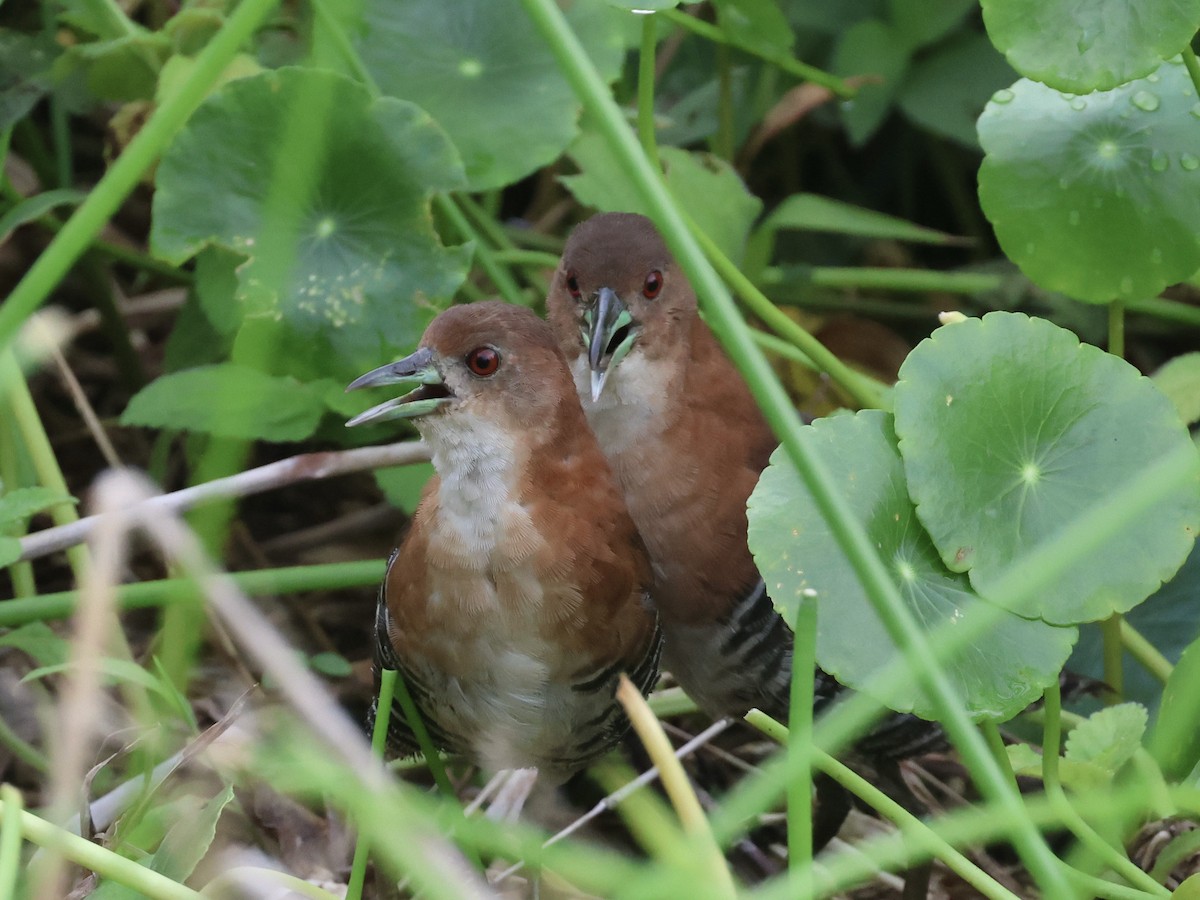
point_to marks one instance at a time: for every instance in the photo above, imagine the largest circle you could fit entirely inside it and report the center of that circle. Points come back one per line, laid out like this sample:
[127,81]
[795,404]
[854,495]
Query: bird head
[490,360]
[617,292]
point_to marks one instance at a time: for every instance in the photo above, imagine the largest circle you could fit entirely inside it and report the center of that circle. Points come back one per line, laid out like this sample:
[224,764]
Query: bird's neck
[637,403]
[480,465]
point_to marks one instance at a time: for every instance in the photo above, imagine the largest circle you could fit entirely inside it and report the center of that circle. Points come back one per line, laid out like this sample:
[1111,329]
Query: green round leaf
[325,192]
[1082,45]
[487,76]
[1011,430]
[1095,196]
[801,562]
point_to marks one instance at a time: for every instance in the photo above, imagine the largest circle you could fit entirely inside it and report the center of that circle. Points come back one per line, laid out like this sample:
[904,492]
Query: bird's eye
[573,285]
[653,285]
[483,361]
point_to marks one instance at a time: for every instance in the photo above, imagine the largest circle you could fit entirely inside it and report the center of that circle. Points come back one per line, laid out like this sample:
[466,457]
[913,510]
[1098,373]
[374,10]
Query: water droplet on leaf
[1145,101]
[1004,95]
[1078,104]
[1189,162]
[1159,161]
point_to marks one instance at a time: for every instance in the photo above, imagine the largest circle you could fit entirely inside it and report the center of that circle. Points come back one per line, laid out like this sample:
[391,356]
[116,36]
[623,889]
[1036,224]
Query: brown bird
[687,443]
[521,590]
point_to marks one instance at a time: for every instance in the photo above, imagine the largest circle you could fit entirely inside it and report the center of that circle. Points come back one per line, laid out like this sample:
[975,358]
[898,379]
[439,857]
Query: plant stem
[679,789]
[263,582]
[499,275]
[24,584]
[96,858]
[1111,654]
[991,733]
[383,715]
[112,189]
[723,140]
[1145,652]
[908,280]
[1193,66]
[800,724]
[645,88]
[733,333]
[1170,310]
[37,444]
[911,828]
[857,386]
[1116,328]
[10,840]
[781,60]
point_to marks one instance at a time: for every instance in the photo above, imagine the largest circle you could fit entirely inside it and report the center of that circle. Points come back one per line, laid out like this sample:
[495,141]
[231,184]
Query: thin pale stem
[800,725]
[645,89]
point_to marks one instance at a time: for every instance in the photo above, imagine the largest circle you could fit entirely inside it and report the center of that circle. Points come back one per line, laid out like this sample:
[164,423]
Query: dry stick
[263,644]
[305,467]
[80,697]
[84,406]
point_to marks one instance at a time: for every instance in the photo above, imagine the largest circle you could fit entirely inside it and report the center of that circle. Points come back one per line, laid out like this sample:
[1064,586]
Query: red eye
[483,361]
[573,285]
[653,285]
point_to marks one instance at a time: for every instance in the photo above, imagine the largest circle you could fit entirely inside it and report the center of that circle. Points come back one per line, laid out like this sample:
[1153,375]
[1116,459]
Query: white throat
[479,464]
[632,406]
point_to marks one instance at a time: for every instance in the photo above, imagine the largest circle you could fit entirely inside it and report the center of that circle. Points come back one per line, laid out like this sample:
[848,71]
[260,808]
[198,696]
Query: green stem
[10,840]
[645,89]
[263,582]
[800,724]
[486,223]
[24,583]
[499,275]
[1193,66]
[1111,654]
[534,259]
[732,331]
[124,255]
[122,176]
[37,444]
[1116,328]
[334,31]
[723,140]
[779,59]
[23,750]
[969,826]
[383,715]
[1088,836]
[908,280]
[1170,310]
[96,858]
[861,389]
[912,828]
[59,123]
[421,733]
[1145,652]
[991,734]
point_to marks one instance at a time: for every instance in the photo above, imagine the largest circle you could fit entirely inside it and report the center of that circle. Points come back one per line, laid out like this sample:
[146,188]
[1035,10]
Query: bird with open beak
[687,443]
[521,590]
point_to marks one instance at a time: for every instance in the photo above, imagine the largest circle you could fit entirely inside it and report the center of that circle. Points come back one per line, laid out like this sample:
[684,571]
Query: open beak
[610,334]
[418,367]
